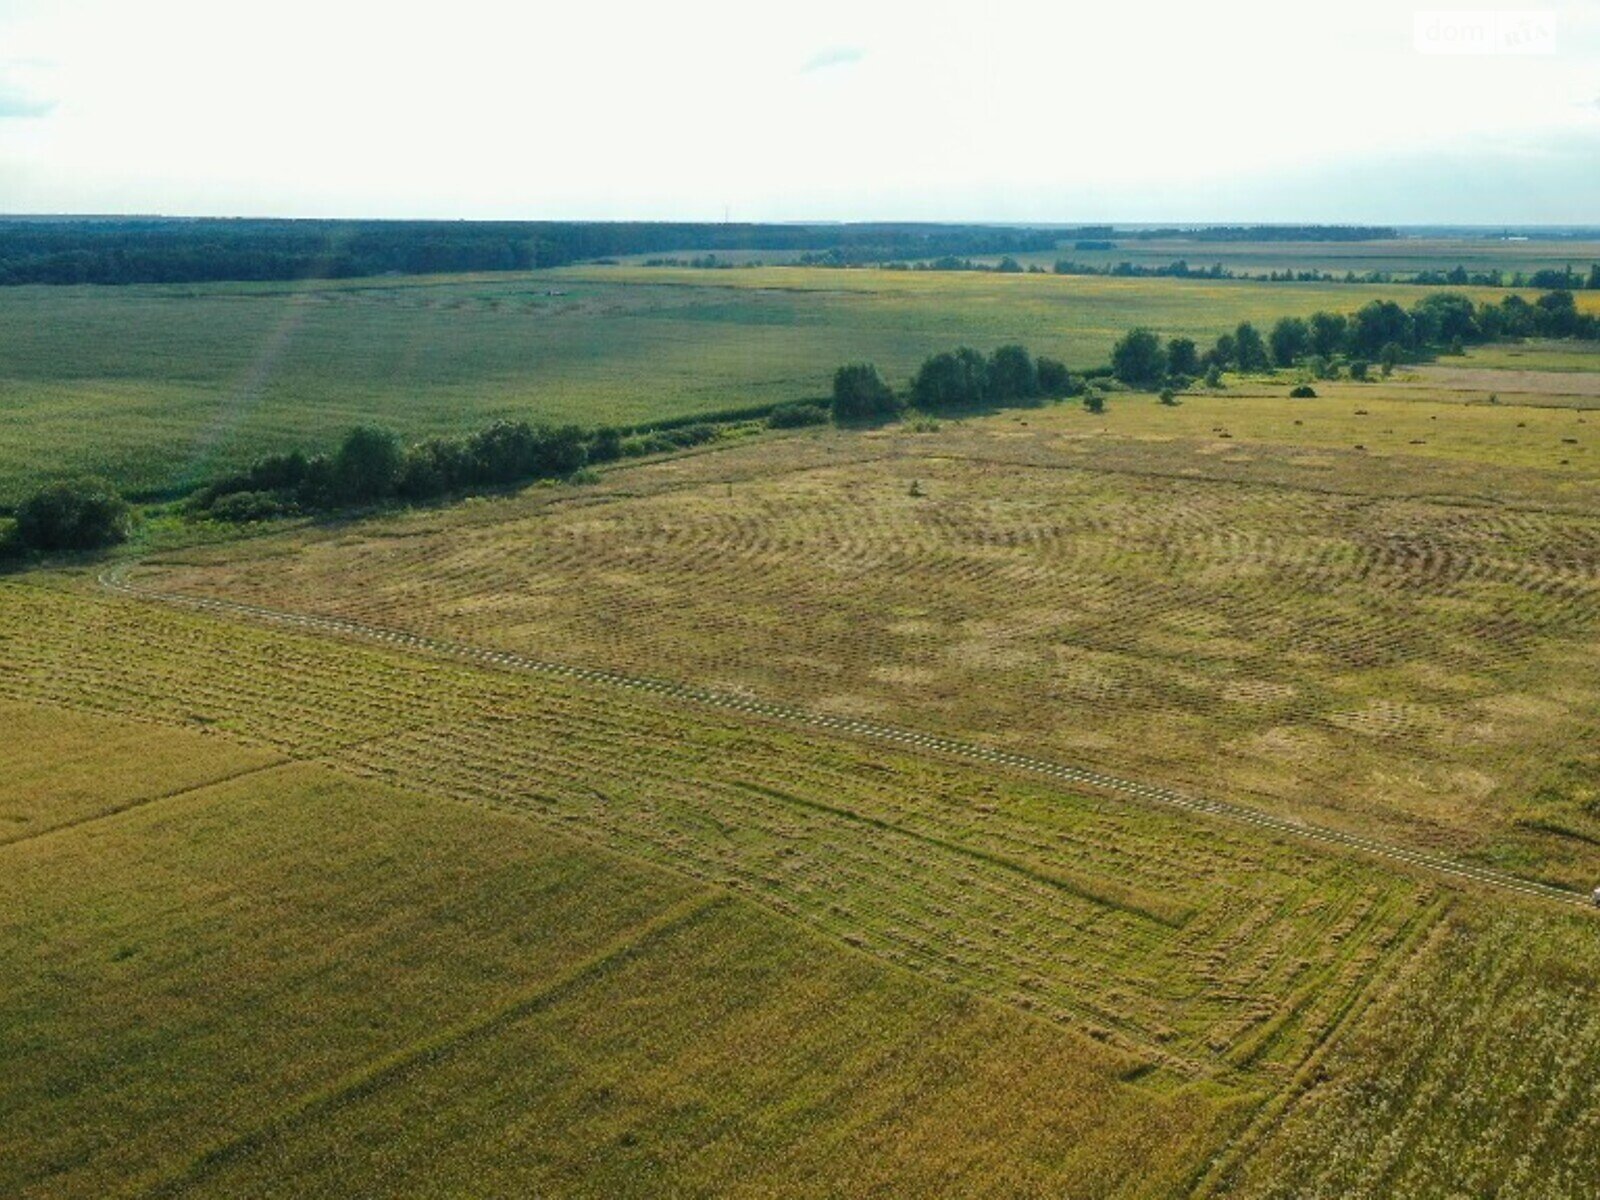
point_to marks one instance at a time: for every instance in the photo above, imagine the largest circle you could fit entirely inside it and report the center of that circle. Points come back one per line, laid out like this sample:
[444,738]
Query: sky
[1115,110]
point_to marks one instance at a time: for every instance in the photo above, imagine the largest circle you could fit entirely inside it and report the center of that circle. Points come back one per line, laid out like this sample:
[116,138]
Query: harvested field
[1306,637]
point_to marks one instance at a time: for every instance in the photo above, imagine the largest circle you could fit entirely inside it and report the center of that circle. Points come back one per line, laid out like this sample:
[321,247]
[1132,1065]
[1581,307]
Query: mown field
[158,388]
[404,925]
[1326,607]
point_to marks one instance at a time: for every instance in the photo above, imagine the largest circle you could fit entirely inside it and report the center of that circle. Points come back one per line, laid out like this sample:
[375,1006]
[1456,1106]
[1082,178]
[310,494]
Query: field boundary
[144,802]
[116,582]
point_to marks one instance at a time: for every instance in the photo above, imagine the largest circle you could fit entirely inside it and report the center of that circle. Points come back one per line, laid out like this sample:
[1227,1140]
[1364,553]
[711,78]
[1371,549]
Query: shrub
[1213,376]
[244,507]
[605,446]
[859,393]
[797,416]
[1358,370]
[84,515]
[1168,397]
[1094,402]
[1304,392]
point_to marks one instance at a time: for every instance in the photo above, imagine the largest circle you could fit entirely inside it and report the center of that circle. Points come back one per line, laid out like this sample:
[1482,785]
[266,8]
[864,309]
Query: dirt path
[115,581]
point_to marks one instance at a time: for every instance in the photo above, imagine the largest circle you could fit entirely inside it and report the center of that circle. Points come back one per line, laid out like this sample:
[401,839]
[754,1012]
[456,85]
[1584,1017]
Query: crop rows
[1478,1068]
[1369,660]
[1201,946]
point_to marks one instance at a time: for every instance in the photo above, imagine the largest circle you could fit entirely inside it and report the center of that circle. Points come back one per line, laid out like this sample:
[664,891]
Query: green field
[157,388]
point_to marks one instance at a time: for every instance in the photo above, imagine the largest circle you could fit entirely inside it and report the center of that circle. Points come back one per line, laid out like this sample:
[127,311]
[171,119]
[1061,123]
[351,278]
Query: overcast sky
[693,109]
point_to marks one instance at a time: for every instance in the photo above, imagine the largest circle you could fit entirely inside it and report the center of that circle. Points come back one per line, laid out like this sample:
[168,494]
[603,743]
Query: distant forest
[116,250]
[155,250]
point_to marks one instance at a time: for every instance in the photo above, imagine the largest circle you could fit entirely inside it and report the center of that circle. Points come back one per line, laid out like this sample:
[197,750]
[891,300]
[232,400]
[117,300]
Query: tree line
[1549,278]
[171,250]
[952,381]
[1381,331]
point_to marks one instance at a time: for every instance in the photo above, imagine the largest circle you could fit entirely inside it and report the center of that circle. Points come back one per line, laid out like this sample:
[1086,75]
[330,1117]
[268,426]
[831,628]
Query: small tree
[1183,358]
[367,466]
[1094,402]
[1290,339]
[1137,359]
[1389,358]
[72,516]
[1054,378]
[860,394]
[1213,376]
[1358,370]
[1250,351]
[1012,374]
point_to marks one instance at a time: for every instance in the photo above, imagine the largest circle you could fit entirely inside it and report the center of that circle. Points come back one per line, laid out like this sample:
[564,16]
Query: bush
[1304,392]
[1358,370]
[797,416]
[84,515]
[1168,397]
[859,393]
[1094,402]
[605,446]
[1213,376]
[244,507]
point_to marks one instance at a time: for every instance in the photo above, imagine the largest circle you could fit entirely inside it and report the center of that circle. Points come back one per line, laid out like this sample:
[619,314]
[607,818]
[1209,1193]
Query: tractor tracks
[115,581]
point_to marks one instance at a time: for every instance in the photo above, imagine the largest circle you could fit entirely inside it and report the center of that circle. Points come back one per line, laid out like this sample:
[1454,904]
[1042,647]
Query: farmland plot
[1367,642]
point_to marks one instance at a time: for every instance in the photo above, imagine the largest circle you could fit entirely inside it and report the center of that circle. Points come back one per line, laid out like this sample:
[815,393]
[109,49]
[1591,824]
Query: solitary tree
[1137,359]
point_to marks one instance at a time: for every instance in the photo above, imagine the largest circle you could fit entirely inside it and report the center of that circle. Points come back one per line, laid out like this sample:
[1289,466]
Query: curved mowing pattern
[904,738]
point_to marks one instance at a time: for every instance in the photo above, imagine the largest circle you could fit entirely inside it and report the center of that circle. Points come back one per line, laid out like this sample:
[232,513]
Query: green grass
[159,387]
